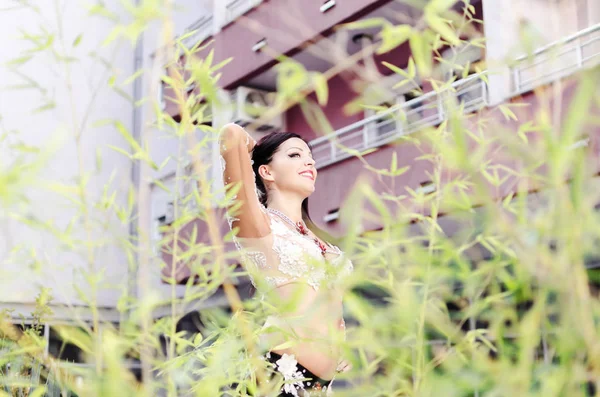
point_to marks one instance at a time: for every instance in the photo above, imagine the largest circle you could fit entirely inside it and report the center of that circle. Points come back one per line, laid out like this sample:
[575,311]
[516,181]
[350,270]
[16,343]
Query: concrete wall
[82,97]
[165,147]
[59,267]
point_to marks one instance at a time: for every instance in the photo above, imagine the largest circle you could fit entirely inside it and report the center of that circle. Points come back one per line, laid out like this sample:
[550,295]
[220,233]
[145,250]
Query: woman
[285,258]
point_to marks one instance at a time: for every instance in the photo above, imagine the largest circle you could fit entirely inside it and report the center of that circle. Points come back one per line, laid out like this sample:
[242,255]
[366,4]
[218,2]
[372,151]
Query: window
[412,109]
[461,64]
[384,126]
[63,350]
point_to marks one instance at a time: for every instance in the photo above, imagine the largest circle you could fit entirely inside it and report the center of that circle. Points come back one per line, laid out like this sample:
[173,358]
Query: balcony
[549,63]
[427,110]
[557,60]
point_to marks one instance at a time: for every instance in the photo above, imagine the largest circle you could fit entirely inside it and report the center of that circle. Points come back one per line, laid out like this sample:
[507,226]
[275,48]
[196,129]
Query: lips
[308,174]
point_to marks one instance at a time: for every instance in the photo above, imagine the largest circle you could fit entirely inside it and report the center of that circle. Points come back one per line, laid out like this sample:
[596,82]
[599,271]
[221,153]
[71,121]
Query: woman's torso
[290,269]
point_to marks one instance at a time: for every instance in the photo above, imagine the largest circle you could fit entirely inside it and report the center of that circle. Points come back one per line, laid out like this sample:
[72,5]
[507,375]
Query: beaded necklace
[300,227]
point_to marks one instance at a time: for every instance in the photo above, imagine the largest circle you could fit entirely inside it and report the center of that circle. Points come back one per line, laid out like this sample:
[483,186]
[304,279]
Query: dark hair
[263,154]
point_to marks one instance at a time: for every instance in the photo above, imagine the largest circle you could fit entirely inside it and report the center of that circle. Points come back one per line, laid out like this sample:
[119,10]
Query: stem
[420,339]
[174,260]
[77,131]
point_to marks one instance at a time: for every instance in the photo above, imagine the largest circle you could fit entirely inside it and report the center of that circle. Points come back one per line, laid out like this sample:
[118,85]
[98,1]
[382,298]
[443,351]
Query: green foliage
[474,283]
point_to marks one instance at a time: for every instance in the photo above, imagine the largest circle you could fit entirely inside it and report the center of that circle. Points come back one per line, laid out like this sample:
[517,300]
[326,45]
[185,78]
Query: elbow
[232,135]
[231,132]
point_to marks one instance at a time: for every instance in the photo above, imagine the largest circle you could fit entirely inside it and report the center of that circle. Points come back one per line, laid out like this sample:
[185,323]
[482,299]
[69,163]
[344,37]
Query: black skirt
[296,377]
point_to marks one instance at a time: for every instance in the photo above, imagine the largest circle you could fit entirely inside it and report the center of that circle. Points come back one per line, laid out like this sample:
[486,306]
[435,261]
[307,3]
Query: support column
[500,32]
[593,11]
[219,15]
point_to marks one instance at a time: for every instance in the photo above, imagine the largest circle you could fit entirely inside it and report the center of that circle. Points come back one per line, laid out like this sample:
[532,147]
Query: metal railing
[201,29]
[424,111]
[557,60]
[235,8]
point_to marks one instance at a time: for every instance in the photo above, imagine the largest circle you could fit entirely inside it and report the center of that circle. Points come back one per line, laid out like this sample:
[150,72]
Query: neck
[289,204]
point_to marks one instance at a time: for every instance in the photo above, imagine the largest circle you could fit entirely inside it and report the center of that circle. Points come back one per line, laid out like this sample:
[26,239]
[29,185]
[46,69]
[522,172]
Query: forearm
[235,146]
[233,136]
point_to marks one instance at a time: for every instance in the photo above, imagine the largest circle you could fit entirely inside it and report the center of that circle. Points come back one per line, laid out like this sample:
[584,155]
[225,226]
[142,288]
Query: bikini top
[285,256]
[273,253]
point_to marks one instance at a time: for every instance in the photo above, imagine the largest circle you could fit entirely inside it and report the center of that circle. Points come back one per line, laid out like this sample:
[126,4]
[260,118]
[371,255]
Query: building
[253,33]
[52,141]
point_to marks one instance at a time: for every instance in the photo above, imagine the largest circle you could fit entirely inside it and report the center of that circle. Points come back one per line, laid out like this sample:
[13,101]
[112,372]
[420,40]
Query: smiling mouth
[308,174]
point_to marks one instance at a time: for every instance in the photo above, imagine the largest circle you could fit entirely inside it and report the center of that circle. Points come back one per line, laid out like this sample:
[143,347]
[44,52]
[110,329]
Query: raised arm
[236,145]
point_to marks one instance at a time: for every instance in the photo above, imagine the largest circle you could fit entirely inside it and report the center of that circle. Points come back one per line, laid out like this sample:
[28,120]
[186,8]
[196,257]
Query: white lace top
[286,256]
[273,253]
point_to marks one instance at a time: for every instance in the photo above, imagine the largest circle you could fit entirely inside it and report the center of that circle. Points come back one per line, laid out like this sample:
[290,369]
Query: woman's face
[292,168]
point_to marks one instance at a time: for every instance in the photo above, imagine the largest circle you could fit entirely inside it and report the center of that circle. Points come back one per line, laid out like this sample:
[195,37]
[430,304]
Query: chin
[307,191]
[303,187]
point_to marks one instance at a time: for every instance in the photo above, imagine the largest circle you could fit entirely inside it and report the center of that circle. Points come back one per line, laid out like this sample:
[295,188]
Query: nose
[309,161]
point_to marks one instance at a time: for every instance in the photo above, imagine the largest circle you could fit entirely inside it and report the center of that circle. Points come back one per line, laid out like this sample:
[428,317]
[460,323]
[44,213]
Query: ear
[265,173]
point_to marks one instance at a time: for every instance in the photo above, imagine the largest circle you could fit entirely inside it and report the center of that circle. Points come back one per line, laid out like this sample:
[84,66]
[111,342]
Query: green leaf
[395,69]
[401,83]
[101,10]
[48,106]
[113,35]
[466,69]
[76,336]
[134,76]
[220,66]
[286,345]
[102,123]
[369,151]
[579,109]
[508,200]
[440,26]
[77,40]
[122,151]
[39,391]
[128,137]
[123,94]
[19,61]
[25,148]
[394,36]
[321,88]
[508,114]
[169,81]
[368,23]
[421,52]
[439,6]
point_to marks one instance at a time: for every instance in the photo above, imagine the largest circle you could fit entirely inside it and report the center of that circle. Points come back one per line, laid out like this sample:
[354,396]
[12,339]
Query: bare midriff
[310,327]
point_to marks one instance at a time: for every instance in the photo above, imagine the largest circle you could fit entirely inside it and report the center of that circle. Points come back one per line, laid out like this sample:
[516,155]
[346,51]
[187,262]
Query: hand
[250,143]
[344,366]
